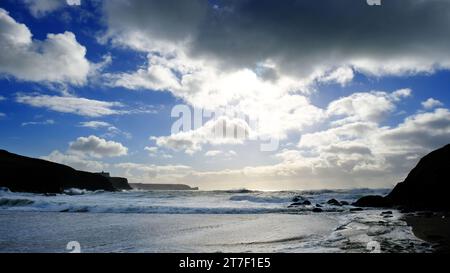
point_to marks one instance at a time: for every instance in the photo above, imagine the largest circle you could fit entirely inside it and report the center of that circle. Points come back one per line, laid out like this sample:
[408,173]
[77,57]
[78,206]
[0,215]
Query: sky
[257,94]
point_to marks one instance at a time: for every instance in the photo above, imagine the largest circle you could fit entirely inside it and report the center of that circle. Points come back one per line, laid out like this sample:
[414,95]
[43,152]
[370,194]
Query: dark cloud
[401,36]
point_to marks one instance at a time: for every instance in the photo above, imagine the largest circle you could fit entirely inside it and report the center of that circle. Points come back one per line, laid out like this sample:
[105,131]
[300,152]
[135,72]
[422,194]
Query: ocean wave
[243,190]
[195,202]
[8,202]
[76,191]
[4,189]
[28,205]
[261,198]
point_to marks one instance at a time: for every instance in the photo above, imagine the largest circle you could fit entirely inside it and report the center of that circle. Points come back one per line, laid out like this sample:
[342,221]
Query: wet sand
[112,232]
[431,227]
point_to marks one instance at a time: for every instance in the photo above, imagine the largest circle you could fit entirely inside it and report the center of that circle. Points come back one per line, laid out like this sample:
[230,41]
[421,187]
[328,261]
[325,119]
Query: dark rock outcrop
[300,203]
[153,187]
[24,174]
[306,203]
[334,202]
[373,201]
[425,188]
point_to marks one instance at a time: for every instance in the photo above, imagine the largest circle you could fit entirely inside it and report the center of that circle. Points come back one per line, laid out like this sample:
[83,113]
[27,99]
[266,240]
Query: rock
[344,203]
[25,174]
[297,199]
[317,210]
[427,185]
[356,209]
[334,202]
[386,212]
[318,205]
[373,201]
[301,203]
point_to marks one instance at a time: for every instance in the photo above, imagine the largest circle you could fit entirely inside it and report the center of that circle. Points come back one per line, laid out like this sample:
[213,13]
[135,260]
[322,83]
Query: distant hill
[24,174]
[150,187]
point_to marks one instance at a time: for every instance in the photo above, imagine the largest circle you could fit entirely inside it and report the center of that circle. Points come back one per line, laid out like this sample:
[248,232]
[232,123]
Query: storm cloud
[300,37]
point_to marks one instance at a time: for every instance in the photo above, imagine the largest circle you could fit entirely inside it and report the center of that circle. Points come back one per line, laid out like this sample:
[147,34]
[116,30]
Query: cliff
[120,183]
[25,174]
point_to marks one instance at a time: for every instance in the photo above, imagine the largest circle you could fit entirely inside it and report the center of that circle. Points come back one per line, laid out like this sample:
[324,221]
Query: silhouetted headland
[425,188]
[24,174]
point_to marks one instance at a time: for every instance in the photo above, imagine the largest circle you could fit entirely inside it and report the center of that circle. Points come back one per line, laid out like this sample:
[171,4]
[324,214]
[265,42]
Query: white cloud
[223,154]
[76,161]
[82,151]
[222,130]
[431,103]
[94,124]
[97,147]
[151,150]
[157,76]
[351,155]
[400,94]
[112,130]
[73,2]
[40,8]
[366,106]
[59,58]
[45,122]
[73,105]
[420,132]
[2,115]
[154,151]
[213,153]
[2,98]
[342,75]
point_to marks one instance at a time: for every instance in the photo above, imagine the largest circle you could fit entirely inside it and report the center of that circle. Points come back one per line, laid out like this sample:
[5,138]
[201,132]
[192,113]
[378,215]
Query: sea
[238,220]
